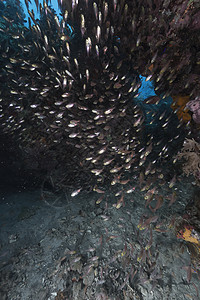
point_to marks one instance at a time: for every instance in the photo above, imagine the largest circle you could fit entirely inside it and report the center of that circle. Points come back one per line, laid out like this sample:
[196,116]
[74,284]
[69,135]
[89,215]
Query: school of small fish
[68,88]
[72,98]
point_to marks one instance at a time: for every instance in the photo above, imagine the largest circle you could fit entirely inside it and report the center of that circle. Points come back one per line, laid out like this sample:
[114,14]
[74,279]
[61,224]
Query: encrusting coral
[194,106]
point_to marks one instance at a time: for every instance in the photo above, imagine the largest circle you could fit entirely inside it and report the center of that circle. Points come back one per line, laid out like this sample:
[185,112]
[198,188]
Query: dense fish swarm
[68,97]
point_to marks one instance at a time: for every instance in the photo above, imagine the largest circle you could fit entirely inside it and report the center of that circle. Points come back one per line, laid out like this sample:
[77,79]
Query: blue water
[32,6]
[146,90]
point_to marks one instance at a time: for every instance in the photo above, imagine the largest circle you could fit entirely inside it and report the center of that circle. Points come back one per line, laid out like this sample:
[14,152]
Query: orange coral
[178,105]
[188,235]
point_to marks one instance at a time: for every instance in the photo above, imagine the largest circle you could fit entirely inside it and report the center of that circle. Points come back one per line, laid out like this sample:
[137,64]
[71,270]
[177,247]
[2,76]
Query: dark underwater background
[99,152]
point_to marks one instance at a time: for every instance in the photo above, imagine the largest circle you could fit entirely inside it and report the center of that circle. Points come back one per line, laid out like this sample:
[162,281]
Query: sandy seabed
[77,249]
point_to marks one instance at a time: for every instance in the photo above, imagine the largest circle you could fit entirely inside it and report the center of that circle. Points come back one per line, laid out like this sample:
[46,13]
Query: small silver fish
[76,192]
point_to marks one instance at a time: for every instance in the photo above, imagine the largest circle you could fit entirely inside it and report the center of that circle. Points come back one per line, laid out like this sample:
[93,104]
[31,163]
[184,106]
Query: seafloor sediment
[78,249]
